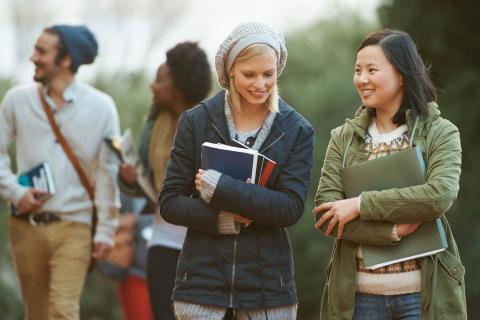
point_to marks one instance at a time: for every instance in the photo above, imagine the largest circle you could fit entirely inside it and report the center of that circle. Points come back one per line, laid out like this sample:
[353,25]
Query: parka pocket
[449,296]
[453,266]
[182,268]
[285,270]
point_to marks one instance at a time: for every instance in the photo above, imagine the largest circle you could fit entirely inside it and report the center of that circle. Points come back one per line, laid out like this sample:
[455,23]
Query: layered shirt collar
[70,94]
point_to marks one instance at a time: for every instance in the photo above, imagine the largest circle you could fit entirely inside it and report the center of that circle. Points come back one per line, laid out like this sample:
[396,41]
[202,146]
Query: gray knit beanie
[243,36]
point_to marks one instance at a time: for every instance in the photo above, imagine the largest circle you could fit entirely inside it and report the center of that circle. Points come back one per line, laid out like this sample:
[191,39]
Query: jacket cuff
[395,236]
[209,184]
[227,224]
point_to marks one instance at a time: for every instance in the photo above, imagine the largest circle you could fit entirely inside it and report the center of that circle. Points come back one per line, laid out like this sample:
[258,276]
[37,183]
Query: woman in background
[181,82]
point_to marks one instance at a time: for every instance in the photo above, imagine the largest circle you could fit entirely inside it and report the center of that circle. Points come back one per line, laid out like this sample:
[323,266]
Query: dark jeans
[161,267]
[394,307]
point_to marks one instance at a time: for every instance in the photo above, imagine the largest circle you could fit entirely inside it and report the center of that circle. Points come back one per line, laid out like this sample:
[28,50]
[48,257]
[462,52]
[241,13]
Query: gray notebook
[397,170]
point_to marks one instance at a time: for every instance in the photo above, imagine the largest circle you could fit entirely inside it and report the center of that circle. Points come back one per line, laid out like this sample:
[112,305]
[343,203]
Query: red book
[267,169]
[265,165]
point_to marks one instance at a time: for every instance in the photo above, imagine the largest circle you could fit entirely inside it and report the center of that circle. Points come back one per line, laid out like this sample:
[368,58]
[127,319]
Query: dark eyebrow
[368,65]
[39,48]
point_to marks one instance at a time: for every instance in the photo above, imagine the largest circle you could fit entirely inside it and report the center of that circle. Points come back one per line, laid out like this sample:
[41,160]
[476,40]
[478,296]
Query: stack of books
[39,177]
[124,148]
[239,162]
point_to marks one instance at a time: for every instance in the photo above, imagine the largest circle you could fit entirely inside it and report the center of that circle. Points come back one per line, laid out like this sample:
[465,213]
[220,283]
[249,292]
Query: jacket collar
[362,120]
[215,109]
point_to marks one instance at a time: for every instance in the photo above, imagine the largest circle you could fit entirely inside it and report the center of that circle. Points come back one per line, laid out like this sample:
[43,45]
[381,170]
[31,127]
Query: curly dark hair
[190,71]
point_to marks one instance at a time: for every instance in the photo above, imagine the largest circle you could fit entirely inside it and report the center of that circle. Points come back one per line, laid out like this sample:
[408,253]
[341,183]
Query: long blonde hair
[247,54]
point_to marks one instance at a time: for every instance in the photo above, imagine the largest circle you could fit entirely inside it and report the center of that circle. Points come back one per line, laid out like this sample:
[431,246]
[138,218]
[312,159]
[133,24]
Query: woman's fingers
[198,179]
[340,229]
[331,225]
[327,215]
[323,207]
[241,219]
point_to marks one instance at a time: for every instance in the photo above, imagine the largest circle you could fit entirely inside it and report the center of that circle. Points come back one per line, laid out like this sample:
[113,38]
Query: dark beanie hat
[79,42]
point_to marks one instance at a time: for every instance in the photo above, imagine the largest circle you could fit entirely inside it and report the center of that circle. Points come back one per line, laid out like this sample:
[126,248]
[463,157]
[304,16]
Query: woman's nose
[260,82]
[364,78]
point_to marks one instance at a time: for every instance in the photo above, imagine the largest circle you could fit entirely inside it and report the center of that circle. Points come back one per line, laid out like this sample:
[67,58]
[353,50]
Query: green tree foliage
[446,33]
[132,95]
[318,82]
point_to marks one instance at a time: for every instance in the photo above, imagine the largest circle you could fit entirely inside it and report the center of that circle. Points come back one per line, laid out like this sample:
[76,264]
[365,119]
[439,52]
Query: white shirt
[87,117]
[167,235]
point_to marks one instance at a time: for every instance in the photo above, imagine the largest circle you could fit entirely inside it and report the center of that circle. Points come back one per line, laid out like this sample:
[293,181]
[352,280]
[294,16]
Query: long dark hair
[402,53]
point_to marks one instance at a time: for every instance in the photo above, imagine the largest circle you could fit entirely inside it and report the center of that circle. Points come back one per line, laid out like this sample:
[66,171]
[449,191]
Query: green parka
[442,284]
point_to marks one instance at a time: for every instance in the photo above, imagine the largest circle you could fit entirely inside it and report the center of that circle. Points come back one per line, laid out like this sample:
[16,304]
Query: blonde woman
[236,259]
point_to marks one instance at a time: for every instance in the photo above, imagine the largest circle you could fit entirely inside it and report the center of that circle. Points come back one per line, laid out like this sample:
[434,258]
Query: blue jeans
[394,307]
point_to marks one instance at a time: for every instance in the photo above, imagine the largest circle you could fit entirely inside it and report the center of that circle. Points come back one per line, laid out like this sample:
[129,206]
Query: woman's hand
[341,212]
[240,219]
[405,229]
[198,179]
[128,173]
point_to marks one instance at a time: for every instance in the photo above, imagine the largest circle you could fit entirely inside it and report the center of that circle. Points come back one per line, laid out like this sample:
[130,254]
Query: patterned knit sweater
[397,278]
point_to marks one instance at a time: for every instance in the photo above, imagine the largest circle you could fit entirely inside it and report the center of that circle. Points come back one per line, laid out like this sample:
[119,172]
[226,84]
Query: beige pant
[51,263]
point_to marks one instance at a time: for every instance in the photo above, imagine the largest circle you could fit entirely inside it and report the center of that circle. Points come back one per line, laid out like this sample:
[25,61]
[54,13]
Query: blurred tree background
[318,82]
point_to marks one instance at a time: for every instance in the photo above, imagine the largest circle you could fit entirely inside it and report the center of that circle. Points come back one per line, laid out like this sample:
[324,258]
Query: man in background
[50,234]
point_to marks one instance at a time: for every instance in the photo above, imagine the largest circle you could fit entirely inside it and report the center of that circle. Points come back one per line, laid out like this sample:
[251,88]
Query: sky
[134,35]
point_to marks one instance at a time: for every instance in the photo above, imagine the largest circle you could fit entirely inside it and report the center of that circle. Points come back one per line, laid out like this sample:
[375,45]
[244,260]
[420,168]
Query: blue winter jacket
[253,269]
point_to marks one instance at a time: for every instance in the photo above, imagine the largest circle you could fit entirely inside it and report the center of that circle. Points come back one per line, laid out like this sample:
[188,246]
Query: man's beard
[40,79]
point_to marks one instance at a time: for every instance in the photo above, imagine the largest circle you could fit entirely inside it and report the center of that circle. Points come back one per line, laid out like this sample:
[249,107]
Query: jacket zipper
[271,144]
[219,133]
[262,150]
[234,267]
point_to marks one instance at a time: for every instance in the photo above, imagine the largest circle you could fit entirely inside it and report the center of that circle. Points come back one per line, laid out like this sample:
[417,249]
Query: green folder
[397,170]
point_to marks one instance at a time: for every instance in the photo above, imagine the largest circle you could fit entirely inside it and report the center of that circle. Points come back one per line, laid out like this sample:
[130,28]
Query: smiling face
[378,83]
[44,58]
[255,78]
